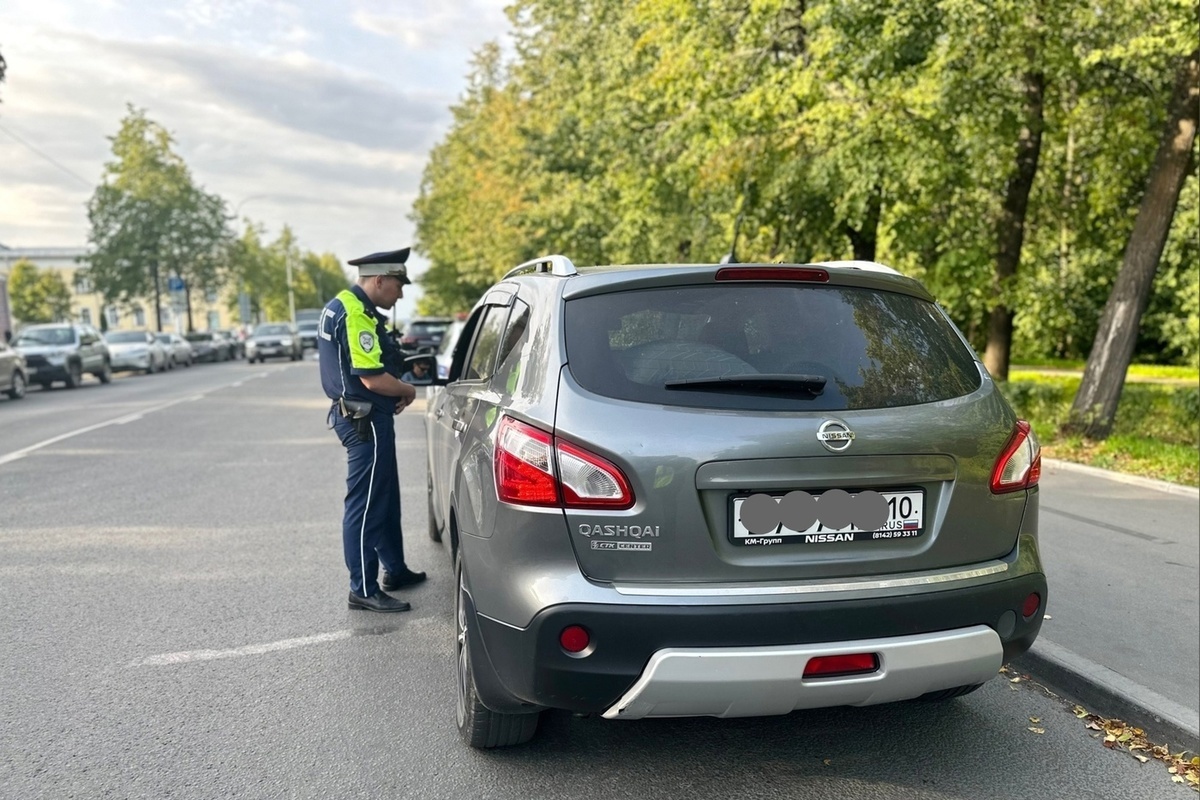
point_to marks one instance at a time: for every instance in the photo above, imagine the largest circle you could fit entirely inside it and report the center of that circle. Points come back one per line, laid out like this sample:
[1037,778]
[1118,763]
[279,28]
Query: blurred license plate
[905,519]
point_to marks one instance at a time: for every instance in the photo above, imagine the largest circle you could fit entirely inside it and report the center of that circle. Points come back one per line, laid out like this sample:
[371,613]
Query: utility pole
[291,294]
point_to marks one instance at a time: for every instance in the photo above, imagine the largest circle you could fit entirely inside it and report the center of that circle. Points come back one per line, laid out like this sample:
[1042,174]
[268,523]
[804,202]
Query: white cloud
[321,114]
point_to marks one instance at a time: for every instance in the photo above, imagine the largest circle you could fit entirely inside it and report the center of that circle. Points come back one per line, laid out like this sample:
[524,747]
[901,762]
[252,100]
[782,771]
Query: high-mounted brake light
[534,469]
[1020,463]
[802,274]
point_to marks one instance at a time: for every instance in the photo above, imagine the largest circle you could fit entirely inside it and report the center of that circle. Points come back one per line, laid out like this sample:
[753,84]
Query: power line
[65,169]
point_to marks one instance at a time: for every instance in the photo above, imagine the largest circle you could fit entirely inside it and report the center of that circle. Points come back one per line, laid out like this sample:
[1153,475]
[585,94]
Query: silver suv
[725,490]
[63,351]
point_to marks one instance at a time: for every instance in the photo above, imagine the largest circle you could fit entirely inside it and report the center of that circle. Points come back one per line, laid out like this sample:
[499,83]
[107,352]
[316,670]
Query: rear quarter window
[874,349]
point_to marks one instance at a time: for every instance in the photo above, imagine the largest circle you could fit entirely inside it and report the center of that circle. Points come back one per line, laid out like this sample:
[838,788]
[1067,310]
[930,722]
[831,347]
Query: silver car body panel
[761,681]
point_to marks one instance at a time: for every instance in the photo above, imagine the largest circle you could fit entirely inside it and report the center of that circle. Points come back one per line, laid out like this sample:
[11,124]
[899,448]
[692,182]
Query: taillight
[524,472]
[589,481]
[1020,463]
[526,475]
[807,274]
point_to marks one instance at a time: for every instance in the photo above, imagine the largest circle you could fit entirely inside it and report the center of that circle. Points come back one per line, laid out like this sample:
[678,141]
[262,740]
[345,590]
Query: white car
[179,350]
[136,350]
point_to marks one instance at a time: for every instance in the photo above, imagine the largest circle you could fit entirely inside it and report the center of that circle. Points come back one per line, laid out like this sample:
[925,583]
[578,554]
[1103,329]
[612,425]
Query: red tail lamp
[838,666]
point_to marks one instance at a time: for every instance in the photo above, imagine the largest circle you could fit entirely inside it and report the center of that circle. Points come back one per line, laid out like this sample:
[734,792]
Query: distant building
[208,312]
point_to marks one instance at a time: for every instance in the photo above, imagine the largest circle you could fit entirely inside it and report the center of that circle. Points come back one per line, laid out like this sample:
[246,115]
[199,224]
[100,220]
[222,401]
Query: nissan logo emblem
[835,435]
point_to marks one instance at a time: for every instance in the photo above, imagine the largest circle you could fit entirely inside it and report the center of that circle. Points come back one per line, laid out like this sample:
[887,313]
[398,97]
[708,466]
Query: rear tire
[479,726]
[105,375]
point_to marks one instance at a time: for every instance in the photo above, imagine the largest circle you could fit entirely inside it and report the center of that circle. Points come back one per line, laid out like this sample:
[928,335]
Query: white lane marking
[186,656]
[122,420]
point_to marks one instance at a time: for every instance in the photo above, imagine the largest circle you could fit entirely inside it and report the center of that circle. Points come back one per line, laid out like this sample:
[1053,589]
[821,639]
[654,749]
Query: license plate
[905,517]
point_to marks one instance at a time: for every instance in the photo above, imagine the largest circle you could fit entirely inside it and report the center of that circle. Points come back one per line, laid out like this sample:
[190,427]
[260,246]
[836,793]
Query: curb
[1109,694]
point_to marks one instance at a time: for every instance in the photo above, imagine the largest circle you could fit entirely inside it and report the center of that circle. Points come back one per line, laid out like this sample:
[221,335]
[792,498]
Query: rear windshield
[819,347]
[125,337]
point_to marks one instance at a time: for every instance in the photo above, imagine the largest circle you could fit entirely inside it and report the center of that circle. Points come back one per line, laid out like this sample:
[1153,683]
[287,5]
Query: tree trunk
[157,299]
[1095,407]
[1010,229]
[865,238]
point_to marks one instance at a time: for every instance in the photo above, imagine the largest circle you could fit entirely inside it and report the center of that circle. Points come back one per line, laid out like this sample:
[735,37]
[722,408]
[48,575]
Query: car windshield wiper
[810,384]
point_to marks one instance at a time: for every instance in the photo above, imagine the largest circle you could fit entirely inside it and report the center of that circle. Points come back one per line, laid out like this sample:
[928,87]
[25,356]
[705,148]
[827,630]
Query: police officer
[360,368]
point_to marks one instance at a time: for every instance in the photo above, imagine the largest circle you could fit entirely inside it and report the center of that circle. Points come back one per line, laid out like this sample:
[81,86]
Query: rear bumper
[927,642]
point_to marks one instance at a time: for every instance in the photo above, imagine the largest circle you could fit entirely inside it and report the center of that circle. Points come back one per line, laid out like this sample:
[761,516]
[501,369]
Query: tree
[1095,406]
[150,221]
[38,295]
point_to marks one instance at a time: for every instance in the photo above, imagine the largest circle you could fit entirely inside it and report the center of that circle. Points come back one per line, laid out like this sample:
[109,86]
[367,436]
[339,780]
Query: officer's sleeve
[366,351]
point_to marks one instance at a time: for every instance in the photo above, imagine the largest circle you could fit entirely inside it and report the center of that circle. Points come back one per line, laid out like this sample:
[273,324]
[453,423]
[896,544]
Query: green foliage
[149,220]
[38,295]
[1157,430]
[260,269]
[669,130]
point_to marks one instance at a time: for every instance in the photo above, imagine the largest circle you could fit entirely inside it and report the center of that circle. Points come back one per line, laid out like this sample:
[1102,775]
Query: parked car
[725,490]
[307,330]
[136,350]
[274,340]
[425,332]
[179,350]
[13,379]
[445,350]
[237,342]
[209,346]
[63,351]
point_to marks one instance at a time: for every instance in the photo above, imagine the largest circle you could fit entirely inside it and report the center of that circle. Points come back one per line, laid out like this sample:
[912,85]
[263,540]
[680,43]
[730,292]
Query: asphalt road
[1130,553]
[173,624]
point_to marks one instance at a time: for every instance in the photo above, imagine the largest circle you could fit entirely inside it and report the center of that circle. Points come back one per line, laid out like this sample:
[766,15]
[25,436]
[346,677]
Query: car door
[456,476]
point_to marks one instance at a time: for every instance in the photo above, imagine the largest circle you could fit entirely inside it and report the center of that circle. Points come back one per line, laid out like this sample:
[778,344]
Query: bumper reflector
[836,666]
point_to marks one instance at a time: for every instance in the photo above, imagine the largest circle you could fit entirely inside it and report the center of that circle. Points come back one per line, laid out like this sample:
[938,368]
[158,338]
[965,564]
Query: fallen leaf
[1047,616]
[1080,711]
[1038,731]
[1015,680]
[1141,758]
[1035,720]
[827,762]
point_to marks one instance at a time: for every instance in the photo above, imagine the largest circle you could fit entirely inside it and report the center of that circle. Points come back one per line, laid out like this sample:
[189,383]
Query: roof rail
[555,265]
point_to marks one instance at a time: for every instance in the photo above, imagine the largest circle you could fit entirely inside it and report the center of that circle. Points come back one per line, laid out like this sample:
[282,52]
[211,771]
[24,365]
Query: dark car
[274,340]
[209,346]
[13,379]
[307,330]
[725,490]
[425,332]
[63,351]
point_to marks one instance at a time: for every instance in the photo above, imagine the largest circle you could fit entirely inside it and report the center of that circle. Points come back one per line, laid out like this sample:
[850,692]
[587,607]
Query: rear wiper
[812,384]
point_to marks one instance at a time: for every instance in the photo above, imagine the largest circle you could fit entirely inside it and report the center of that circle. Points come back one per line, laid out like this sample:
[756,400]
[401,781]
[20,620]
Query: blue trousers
[371,533]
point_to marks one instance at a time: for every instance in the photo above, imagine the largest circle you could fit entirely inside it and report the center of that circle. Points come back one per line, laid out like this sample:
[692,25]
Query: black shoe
[391,581]
[378,602]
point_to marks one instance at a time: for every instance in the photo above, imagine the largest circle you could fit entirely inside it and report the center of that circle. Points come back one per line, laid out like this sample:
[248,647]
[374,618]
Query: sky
[318,114]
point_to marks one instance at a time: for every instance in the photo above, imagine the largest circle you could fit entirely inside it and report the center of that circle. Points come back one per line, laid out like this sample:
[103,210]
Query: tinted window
[126,337]
[487,343]
[873,349]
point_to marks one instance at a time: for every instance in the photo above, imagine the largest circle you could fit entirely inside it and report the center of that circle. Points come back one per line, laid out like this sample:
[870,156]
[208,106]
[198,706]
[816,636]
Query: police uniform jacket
[353,341]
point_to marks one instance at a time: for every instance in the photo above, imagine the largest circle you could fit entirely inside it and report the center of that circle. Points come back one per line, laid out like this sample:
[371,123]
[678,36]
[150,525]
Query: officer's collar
[361,294]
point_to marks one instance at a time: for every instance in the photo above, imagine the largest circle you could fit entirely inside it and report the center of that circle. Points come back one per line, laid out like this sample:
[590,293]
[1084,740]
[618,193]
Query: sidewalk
[1122,632]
